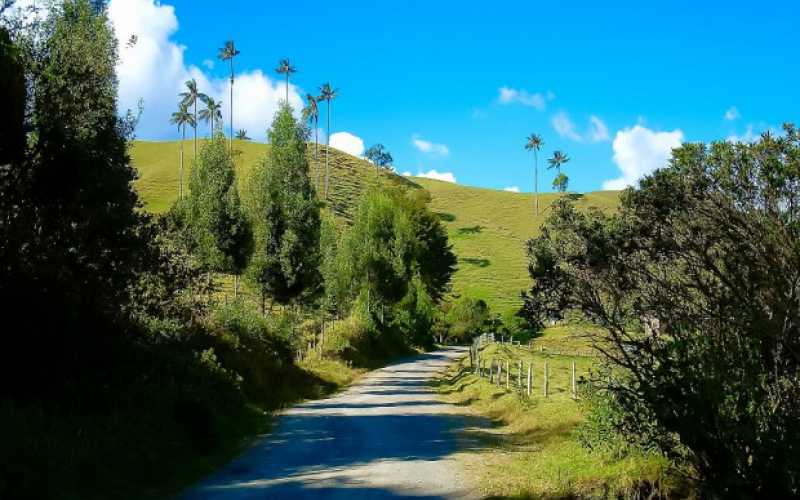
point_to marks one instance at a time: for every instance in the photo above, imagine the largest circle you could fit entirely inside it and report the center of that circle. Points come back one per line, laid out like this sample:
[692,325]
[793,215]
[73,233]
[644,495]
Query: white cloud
[749,136]
[508,95]
[565,127]
[347,142]
[598,131]
[208,63]
[513,189]
[407,174]
[638,151]
[429,147]
[439,176]
[732,114]
[154,70]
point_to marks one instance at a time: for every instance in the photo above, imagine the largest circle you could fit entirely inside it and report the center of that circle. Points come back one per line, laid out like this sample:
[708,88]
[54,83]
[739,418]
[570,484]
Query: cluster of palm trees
[534,143]
[187,114]
[311,114]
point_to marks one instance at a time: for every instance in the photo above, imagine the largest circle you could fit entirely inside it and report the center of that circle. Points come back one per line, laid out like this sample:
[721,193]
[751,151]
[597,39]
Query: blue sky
[614,86]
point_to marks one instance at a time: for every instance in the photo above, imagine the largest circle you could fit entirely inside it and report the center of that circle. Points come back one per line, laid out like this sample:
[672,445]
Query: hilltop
[158,166]
[488,228]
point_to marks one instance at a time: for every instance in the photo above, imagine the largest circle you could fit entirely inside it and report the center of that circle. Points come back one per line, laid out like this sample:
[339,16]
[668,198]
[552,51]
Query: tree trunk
[316,147]
[536,179]
[328,151]
[180,179]
[231,106]
[195,129]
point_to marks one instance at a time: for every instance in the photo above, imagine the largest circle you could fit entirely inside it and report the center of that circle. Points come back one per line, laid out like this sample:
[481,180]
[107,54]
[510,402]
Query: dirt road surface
[388,436]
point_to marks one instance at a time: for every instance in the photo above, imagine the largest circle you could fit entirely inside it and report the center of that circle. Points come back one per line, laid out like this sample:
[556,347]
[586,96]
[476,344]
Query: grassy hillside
[158,166]
[488,229]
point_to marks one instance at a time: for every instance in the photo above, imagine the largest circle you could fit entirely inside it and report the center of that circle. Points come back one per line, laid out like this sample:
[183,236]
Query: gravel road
[388,436]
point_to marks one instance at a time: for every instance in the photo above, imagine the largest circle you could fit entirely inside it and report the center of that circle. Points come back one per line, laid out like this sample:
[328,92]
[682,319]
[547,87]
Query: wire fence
[530,371]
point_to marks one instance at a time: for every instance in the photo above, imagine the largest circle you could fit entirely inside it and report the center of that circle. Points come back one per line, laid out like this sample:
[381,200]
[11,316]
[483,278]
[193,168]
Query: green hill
[488,229]
[158,166]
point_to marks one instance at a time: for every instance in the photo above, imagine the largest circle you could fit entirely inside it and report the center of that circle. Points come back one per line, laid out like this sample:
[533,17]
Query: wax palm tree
[227,53]
[212,113]
[285,68]
[190,98]
[559,158]
[534,144]
[311,115]
[241,134]
[327,93]
[181,118]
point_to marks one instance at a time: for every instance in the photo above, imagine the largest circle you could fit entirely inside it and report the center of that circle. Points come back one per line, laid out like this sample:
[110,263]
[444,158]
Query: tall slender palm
[559,158]
[311,115]
[534,144]
[181,118]
[212,113]
[285,68]
[227,53]
[327,93]
[190,98]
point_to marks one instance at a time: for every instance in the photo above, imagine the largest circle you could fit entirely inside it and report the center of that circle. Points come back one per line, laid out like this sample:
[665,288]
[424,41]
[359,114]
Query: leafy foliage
[695,282]
[285,215]
[215,216]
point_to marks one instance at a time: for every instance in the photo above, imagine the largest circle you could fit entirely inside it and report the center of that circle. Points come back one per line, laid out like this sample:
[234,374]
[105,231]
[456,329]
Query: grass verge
[531,449]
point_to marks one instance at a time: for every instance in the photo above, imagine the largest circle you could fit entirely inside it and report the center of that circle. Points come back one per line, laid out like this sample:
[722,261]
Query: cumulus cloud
[429,147]
[638,151]
[565,127]
[513,189]
[732,114]
[154,70]
[598,131]
[208,63]
[508,95]
[439,176]
[347,142]
[749,136]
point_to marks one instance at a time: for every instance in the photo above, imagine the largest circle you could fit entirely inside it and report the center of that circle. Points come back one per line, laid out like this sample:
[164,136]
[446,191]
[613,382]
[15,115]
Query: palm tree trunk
[231,106]
[328,151]
[316,146]
[195,130]
[180,181]
[536,179]
[287,88]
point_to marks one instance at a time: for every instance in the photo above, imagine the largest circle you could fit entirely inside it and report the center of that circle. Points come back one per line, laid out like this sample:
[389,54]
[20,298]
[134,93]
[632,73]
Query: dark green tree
[695,285]
[215,218]
[285,215]
[76,241]
[378,252]
[379,156]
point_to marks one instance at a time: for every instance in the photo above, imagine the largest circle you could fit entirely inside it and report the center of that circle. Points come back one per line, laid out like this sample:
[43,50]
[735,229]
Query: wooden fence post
[545,379]
[574,389]
[491,370]
[499,372]
[519,374]
[508,374]
[529,379]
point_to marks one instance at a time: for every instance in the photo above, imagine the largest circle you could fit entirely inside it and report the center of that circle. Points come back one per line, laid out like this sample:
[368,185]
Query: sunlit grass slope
[158,166]
[488,229]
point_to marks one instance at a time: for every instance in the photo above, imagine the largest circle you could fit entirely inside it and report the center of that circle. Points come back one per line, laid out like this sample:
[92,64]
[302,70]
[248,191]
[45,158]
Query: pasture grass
[158,167]
[529,449]
[488,229]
